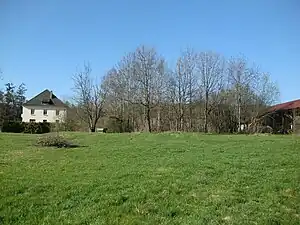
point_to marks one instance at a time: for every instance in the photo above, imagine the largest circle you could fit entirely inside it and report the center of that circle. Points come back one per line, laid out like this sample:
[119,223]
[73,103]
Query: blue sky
[43,42]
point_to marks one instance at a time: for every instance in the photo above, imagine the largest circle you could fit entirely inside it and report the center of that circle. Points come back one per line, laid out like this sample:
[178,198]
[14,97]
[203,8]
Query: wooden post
[282,115]
[294,120]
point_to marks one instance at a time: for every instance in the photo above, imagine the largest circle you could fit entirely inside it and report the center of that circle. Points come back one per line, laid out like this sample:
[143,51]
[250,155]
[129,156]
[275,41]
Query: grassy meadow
[167,178]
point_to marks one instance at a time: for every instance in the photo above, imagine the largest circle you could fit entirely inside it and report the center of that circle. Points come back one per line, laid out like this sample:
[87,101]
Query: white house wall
[39,116]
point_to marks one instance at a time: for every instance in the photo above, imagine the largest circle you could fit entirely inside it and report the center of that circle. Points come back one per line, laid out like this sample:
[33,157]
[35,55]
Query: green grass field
[151,179]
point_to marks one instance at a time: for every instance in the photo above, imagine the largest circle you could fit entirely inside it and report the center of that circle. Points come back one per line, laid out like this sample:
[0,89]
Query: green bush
[45,127]
[13,127]
[54,140]
[31,128]
[37,128]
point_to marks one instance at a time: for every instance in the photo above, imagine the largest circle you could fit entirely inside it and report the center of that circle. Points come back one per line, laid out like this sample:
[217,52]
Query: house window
[44,121]
[45,112]
[32,111]
[57,112]
[57,121]
[32,120]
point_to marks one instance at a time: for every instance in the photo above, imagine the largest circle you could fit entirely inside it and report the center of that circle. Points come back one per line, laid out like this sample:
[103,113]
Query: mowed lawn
[151,179]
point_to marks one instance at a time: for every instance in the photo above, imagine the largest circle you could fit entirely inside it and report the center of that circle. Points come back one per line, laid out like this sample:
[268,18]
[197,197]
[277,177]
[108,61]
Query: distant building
[45,107]
[283,117]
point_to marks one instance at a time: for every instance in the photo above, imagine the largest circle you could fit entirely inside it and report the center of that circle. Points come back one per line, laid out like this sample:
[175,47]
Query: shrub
[13,127]
[37,128]
[31,128]
[45,127]
[54,141]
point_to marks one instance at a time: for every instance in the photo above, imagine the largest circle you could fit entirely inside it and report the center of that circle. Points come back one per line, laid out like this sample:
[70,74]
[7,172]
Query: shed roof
[285,106]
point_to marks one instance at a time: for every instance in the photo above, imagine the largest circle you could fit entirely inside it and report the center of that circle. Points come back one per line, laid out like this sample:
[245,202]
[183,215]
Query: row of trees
[11,100]
[203,92]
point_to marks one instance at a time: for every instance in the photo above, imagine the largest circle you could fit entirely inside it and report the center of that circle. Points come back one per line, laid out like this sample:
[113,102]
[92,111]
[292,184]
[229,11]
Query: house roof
[45,98]
[285,106]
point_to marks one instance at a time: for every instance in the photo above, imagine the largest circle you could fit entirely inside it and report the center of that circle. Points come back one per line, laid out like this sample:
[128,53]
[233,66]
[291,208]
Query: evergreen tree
[19,100]
[11,101]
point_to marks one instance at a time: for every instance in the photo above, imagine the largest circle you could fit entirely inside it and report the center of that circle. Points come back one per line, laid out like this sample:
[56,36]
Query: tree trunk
[239,116]
[158,120]
[149,119]
[181,118]
[190,106]
[93,126]
[128,129]
[191,119]
[170,118]
[206,113]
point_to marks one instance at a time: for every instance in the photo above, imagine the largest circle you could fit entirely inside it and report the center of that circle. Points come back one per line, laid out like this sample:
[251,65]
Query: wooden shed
[283,118]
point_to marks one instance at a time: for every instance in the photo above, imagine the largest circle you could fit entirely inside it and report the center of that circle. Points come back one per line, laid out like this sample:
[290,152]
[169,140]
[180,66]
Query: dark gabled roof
[45,98]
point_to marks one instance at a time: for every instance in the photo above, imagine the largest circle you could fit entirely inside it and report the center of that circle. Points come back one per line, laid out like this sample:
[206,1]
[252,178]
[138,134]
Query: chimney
[51,93]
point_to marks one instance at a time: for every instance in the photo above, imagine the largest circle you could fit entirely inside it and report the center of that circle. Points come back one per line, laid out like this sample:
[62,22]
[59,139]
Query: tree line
[12,98]
[203,92]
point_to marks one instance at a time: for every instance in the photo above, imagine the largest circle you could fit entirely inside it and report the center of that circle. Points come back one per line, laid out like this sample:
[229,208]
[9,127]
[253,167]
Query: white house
[45,107]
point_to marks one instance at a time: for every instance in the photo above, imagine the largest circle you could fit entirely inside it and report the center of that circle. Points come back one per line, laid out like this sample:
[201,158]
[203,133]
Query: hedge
[12,127]
[24,127]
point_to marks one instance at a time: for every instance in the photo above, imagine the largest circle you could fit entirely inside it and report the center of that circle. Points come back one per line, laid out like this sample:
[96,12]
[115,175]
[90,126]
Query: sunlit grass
[151,179]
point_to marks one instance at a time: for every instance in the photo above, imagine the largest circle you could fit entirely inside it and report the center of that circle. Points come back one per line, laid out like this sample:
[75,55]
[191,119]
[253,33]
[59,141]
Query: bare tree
[149,77]
[184,83]
[243,80]
[264,94]
[183,88]
[118,101]
[139,85]
[122,100]
[125,88]
[114,100]
[179,95]
[89,95]
[267,90]
[211,72]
